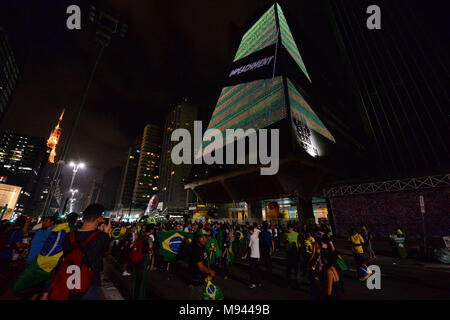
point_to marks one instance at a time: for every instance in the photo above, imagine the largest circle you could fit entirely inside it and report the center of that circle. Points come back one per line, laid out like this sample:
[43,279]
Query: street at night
[254,153]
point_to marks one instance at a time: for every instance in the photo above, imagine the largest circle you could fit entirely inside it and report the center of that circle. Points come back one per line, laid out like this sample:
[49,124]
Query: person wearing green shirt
[292,255]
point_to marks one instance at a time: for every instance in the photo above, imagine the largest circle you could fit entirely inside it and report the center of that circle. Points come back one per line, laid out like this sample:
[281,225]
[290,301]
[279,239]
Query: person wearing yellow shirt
[308,253]
[357,242]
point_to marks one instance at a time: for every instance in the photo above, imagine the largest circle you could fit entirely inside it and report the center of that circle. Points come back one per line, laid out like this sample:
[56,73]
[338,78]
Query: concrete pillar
[305,209]
[255,210]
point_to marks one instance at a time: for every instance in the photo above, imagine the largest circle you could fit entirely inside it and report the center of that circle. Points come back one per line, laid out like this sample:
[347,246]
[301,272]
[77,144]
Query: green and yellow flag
[151,220]
[41,268]
[212,291]
[240,236]
[116,233]
[213,250]
[172,242]
[230,254]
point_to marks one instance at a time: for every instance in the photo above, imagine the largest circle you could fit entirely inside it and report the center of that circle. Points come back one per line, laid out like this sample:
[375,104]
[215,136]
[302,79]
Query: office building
[146,183]
[21,160]
[398,79]
[172,178]
[125,197]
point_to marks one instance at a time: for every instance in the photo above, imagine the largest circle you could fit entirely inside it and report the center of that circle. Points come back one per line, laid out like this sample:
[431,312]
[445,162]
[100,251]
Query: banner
[172,242]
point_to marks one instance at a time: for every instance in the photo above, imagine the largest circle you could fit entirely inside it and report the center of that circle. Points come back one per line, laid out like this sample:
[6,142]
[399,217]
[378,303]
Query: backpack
[136,254]
[59,289]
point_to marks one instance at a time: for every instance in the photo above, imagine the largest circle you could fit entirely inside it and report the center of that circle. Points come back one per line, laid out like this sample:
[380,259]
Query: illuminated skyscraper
[21,160]
[125,196]
[268,87]
[260,91]
[173,177]
[147,175]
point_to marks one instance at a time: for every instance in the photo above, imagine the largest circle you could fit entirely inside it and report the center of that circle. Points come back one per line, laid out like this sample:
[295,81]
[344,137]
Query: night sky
[173,49]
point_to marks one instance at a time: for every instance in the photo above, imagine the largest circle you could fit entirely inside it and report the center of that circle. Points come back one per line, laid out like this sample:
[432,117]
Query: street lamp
[75,167]
[72,199]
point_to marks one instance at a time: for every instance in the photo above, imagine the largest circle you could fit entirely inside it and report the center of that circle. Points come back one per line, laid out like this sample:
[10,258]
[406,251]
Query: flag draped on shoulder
[41,268]
[213,250]
[230,254]
[172,242]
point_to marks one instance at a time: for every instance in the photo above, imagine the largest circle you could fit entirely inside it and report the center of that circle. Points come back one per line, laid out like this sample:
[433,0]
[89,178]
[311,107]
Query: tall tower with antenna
[52,141]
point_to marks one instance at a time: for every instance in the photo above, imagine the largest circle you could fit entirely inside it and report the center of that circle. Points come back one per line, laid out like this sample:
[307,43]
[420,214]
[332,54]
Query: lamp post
[106,26]
[75,166]
[72,199]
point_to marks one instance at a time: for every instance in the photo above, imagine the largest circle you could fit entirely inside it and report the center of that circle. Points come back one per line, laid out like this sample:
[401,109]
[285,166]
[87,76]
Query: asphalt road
[172,285]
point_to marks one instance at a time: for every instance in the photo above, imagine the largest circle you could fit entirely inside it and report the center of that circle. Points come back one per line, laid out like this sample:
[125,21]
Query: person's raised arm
[26,226]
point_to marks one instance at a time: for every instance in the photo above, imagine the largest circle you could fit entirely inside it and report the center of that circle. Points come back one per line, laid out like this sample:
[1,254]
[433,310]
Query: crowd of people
[45,250]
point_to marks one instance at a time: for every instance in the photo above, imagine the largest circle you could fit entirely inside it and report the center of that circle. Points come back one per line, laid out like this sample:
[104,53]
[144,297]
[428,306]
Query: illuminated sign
[258,93]
[251,66]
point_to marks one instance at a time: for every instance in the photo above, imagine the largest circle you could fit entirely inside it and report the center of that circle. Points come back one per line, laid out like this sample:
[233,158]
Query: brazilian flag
[211,291]
[40,270]
[172,242]
[363,272]
[240,236]
[230,254]
[151,220]
[116,233]
[213,250]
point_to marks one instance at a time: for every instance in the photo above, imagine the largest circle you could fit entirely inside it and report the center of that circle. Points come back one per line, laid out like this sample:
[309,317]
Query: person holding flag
[212,248]
[240,245]
[36,276]
[141,265]
[228,254]
[198,266]
[171,243]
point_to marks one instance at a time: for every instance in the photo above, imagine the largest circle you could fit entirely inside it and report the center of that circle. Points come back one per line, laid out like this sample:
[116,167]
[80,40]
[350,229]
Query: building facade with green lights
[267,88]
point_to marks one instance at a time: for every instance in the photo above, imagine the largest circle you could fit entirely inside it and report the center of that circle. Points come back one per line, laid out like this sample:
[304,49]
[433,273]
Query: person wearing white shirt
[253,245]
